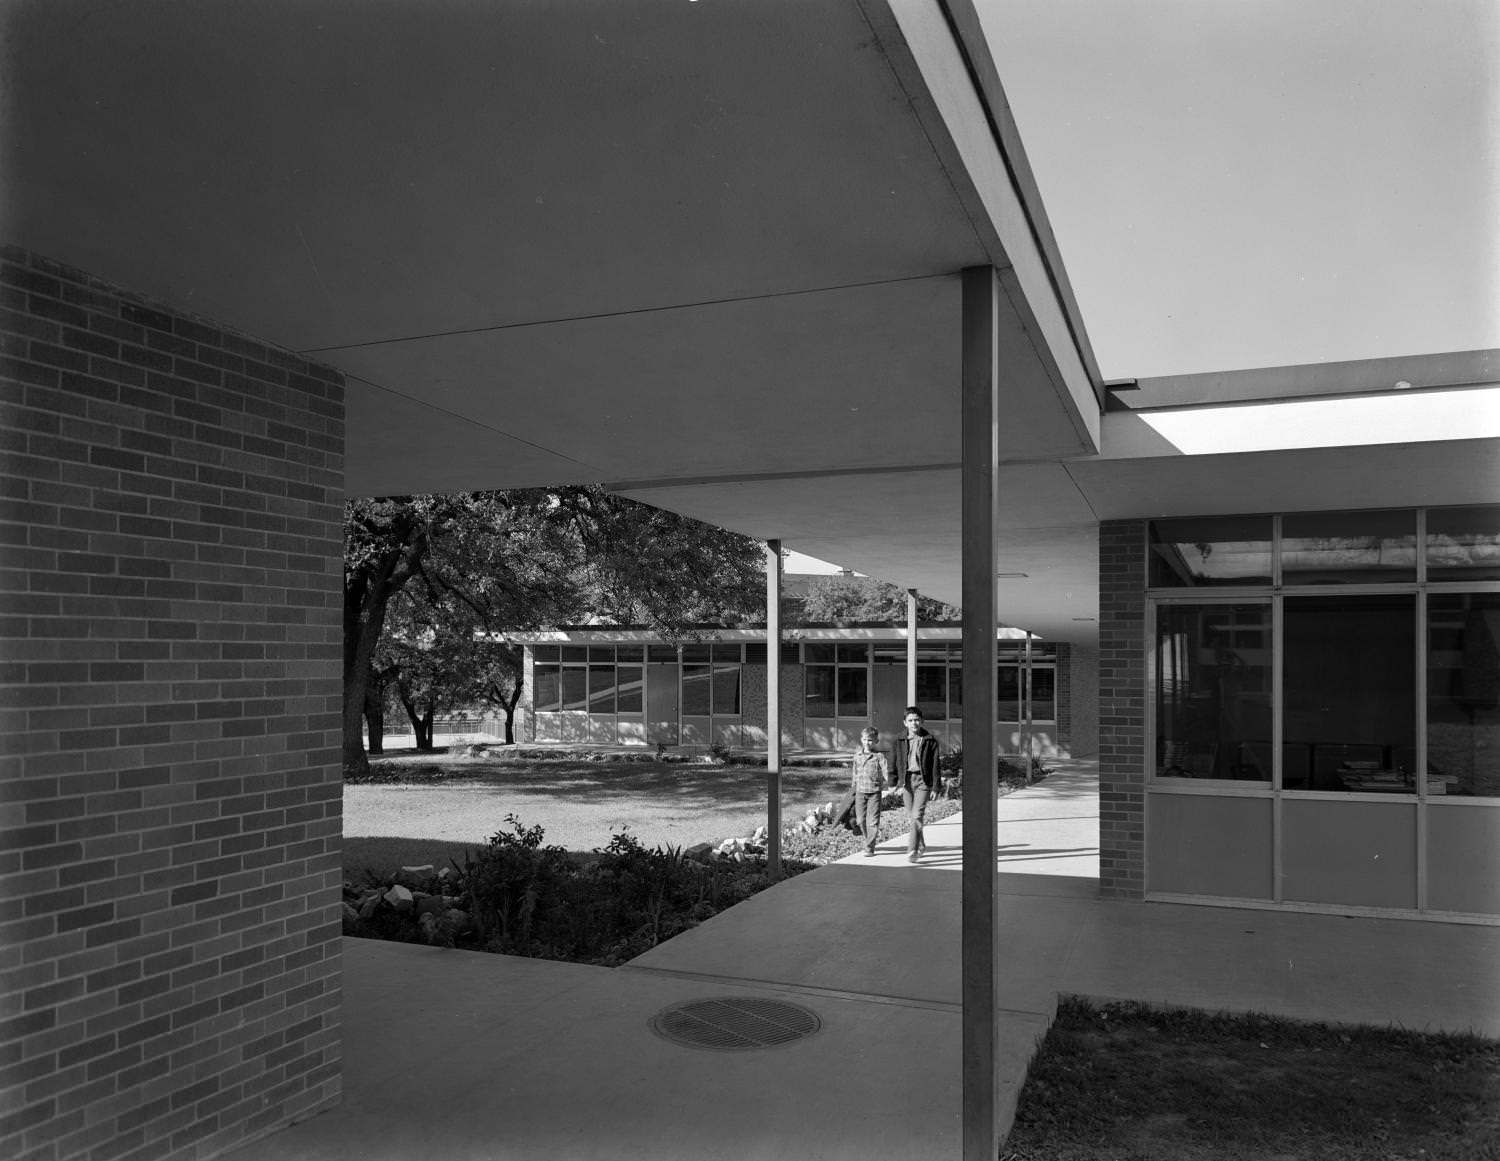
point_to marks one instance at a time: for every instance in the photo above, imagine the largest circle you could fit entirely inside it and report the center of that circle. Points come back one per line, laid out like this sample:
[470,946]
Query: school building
[782,267]
[622,686]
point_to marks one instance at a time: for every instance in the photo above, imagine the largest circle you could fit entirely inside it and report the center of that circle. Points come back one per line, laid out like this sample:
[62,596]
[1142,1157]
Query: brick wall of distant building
[170,797]
[1122,708]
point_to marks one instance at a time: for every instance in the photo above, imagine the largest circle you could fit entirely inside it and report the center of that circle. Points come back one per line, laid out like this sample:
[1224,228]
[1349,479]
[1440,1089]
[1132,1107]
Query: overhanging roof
[708,253]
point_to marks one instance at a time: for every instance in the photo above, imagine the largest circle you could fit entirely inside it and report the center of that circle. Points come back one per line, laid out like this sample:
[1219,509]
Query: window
[1349,716]
[548,692]
[1463,544]
[1322,548]
[630,688]
[1213,551]
[819,694]
[1213,691]
[932,692]
[697,690]
[836,681]
[1463,694]
[853,692]
[575,687]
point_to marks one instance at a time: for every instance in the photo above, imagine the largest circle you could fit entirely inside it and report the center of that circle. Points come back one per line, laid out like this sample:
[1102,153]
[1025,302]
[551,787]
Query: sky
[1253,183]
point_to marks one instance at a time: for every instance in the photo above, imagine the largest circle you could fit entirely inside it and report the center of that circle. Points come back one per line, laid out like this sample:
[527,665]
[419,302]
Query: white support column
[980,432]
[911,646]
[773,709]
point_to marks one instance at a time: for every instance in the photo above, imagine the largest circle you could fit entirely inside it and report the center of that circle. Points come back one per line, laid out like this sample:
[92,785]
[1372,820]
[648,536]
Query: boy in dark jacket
[914,766]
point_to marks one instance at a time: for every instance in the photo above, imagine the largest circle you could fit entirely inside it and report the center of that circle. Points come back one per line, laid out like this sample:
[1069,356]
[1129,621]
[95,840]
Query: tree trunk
[375,716]
[509,706]
[421,722]
[366,594]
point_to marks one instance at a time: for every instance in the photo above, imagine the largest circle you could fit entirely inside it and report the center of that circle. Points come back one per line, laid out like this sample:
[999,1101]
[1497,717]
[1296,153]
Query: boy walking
[915,759]
[868,781]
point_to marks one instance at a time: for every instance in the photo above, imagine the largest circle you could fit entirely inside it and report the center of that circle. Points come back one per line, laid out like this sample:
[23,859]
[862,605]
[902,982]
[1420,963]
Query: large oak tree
[512,561]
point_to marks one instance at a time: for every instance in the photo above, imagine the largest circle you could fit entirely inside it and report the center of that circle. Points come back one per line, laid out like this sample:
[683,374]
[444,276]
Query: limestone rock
[400,899]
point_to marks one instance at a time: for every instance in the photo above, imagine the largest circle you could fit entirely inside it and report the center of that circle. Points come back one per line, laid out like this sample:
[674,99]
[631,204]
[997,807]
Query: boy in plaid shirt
[868,781]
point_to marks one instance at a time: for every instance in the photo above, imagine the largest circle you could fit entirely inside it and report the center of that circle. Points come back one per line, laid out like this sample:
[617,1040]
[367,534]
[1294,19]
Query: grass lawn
[453,801]
[1124,1082]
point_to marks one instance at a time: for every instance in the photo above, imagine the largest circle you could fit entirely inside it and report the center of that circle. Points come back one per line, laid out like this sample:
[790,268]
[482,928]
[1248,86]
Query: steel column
[980,424]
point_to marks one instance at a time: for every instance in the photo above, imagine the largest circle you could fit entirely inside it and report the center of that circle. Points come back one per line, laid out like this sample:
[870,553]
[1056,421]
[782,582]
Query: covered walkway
[478,1056]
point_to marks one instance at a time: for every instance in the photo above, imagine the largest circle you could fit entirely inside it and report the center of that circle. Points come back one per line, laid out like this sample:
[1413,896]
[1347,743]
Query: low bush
[518,896]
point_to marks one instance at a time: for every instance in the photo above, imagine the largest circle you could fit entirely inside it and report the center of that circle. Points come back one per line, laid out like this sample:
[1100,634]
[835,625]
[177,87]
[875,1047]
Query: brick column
[170,797]
[1122,708]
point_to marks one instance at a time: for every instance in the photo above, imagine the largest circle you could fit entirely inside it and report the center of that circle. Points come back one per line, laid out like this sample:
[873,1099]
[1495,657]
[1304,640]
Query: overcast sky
[1246,183]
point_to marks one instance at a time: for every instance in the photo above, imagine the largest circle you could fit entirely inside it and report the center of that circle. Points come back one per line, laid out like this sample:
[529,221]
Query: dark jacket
[927,758]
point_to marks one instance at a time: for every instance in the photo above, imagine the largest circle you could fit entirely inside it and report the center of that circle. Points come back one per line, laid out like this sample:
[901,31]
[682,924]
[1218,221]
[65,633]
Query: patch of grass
[1127,1082]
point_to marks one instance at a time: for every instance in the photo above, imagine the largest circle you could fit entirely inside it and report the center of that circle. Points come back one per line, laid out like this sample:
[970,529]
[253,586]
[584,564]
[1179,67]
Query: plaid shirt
[869,771]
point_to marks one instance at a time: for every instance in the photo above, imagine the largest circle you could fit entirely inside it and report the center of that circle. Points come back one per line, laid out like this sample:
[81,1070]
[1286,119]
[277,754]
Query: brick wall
[170,796]
[1122,708]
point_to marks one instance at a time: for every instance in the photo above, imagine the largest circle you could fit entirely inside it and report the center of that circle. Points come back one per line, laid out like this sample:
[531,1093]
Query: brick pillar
[170,796]
[1122,708]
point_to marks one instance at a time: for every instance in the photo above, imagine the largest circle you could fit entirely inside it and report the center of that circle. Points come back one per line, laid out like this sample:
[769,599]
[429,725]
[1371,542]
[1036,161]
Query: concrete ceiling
[705,252]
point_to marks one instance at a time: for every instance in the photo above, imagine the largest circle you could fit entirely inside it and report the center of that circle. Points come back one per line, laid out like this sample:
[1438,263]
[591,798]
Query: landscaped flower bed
[516,896]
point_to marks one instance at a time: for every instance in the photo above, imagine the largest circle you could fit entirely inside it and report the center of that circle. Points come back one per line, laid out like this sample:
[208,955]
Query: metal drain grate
[735,1023]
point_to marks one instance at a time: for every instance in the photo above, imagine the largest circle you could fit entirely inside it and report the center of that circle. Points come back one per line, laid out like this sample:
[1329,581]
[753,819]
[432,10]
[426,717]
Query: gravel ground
[580,804]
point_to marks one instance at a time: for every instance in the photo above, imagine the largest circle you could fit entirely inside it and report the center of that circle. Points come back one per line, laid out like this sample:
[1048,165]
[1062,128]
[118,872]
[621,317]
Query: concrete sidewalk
[460,1055]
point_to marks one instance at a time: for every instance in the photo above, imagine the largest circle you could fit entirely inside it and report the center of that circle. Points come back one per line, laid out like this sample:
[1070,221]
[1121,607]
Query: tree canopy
[850,598]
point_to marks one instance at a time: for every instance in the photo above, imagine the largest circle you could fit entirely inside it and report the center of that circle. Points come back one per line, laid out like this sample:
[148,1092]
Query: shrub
[522,897]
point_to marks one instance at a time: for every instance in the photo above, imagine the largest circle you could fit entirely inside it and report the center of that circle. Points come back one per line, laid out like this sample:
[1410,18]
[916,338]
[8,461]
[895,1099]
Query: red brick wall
[1122,708]
[170,794]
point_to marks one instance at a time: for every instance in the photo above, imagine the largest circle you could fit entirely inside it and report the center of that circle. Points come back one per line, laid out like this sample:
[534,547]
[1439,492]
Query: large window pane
[932,692]
[1349,678]
[726,696]
[819,654]
[1043,695]
[1233,550]
[1213,691]
[547,653]
[1321,548]
[1463,543]
[697,690]
[1463,694]
[548,693]
[575,687]
[575,652]
[726,653]
[818,691]
[630,689]
[1007,692]
[854,654]
[854,695]
[601,689]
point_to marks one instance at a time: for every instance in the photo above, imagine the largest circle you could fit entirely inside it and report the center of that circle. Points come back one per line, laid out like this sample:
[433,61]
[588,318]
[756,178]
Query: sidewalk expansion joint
[798,989]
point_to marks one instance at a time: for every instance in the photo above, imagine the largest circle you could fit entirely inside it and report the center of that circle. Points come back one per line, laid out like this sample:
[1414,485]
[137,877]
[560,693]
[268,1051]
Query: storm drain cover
[735,1023]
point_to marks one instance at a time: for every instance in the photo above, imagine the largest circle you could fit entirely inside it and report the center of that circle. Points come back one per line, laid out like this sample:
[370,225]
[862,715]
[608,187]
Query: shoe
[869,854]
[914,857]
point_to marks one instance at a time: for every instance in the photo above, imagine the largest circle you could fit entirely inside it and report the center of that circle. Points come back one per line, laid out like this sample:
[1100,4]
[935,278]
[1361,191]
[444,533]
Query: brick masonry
[1122,708]
[170,798]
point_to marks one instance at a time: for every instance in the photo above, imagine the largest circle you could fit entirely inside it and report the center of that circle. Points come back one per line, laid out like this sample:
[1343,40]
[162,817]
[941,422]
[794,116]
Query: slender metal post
[1030,706]
[773,709]
[911,646]
[980,422]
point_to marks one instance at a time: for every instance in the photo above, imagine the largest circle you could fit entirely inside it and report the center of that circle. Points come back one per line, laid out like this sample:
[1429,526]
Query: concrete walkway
[458,1055]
